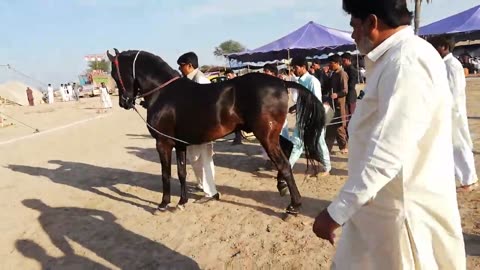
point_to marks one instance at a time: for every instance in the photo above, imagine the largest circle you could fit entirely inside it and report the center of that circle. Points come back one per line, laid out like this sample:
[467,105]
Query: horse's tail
[310,121]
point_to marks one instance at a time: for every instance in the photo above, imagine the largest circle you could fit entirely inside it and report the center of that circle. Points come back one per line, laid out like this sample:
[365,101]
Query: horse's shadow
[98,231]
[93,178]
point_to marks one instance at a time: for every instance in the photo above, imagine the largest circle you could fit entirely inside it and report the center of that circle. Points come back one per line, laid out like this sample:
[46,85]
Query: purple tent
[310,39]
[466,21]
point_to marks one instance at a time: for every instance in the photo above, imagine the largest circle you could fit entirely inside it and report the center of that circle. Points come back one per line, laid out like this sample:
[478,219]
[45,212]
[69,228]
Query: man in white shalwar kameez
[462,142]
[70,92]
[51,97]
[398,208]
[200,156]
[63,93]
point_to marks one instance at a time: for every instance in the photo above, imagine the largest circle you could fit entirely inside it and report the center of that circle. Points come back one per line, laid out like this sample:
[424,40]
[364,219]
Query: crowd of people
[70,92]
[407,140]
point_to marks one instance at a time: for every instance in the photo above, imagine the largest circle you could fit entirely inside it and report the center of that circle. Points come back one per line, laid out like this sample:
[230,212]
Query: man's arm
[404,118]
[343,85]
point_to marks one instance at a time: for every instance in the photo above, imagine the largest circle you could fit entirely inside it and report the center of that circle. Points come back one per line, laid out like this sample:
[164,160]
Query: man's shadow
[98,232]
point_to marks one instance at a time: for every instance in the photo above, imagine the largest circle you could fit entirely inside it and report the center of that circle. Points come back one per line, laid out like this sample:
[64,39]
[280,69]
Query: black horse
[182,112]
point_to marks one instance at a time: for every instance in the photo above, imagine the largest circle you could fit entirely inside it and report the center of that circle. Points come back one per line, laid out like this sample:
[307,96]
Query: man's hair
[316,61]
[442,41]
[347,56]
[188,58]
[393,13]
[299,61]
[335,58]
[271,67]
[229,71]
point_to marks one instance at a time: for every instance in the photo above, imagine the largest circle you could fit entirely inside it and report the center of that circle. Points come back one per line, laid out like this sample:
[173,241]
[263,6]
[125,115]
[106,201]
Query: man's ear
[371,22]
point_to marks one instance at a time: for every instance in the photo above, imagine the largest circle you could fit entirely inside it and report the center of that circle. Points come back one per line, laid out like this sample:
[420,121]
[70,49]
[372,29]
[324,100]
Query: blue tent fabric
[310,39]
[466,21]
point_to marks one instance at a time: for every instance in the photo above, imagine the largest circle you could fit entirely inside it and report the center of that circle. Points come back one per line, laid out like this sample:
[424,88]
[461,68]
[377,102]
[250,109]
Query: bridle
[132,100]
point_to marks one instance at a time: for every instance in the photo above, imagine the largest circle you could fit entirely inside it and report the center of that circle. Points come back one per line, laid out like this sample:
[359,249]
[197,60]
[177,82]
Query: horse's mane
[157,61]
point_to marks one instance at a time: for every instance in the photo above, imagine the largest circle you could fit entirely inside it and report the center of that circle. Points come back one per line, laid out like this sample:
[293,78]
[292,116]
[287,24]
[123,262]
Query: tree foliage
[99,65]
[229,46]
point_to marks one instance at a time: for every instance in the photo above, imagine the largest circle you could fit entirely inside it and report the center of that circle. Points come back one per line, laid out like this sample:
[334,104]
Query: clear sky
[48,39]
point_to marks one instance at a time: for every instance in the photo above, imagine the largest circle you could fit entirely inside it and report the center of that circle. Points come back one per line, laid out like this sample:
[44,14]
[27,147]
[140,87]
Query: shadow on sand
[92,178]
[98,232]
[472,244]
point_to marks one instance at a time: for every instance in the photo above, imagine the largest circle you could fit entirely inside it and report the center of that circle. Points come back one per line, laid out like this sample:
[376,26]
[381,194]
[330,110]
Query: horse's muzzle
[127,103]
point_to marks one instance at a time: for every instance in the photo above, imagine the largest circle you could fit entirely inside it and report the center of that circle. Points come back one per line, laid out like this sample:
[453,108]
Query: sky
[48,39]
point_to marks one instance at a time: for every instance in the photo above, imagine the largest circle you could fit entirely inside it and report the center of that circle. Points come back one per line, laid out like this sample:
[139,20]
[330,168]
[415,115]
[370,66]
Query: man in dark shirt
[338,97]
[30,96]
[352,73]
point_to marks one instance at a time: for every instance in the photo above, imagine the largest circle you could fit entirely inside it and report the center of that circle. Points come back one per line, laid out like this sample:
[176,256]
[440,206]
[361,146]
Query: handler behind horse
[201,156]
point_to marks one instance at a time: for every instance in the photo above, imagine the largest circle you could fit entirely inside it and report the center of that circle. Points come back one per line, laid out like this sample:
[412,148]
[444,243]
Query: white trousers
[106,100]
[51,98]
[463,152]
[201,158]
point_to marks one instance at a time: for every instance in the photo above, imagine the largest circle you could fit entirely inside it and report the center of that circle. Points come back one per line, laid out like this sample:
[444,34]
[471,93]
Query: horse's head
[122,73]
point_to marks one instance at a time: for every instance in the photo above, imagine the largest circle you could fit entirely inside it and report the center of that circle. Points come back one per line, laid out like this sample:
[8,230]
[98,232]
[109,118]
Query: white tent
[15,92]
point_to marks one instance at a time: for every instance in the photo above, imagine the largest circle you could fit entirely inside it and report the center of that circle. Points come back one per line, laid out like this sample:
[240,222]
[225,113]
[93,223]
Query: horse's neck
[147,86]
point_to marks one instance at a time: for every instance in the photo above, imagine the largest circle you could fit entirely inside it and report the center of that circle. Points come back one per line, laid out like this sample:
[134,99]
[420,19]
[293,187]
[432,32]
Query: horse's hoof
[161,208]
[291,210]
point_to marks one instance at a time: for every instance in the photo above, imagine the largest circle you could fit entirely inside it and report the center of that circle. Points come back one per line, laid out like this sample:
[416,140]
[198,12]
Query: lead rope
[160,133]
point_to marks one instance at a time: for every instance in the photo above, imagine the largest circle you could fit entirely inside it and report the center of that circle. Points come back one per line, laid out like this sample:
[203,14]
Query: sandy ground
[81,196]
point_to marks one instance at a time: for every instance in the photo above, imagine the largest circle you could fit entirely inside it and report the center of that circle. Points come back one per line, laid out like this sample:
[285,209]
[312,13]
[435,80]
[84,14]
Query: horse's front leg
[165,152]
[182,175]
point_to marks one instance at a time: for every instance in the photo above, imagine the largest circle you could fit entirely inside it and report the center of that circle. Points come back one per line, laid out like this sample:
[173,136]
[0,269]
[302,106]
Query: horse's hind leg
[165,152]
[287,147]
[182,174]
[272,147]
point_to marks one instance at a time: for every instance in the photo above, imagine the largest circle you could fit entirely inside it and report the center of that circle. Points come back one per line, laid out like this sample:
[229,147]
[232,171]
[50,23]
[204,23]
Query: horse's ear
[116,51]
[110,57]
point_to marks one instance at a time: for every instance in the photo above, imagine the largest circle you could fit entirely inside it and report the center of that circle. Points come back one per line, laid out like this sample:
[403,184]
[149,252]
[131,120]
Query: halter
[117,65]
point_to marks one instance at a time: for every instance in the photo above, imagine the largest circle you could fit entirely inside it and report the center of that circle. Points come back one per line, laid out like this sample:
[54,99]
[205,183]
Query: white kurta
[63,93]
[70,92]
[106,100]
[462,142]
[51,97]
[401,158]
[201,156]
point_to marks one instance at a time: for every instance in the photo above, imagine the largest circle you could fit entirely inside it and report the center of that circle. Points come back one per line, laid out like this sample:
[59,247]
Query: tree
[99,65]
[418,11]
[229,46]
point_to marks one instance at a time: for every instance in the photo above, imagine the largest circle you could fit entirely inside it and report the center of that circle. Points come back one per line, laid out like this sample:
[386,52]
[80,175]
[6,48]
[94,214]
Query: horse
[181,112]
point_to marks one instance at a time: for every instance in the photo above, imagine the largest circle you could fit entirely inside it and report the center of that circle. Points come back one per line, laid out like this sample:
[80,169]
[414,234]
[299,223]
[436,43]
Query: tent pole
[358,66]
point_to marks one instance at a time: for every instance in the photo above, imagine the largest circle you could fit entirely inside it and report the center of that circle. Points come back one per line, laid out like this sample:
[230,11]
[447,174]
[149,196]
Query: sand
[81,196]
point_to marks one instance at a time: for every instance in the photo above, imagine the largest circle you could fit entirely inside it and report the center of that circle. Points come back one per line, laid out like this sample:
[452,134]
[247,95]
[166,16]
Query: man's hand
[334,96]
[324,227]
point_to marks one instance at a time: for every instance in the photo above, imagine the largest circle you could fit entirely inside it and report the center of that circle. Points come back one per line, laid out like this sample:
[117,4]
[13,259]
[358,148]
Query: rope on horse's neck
[160,133]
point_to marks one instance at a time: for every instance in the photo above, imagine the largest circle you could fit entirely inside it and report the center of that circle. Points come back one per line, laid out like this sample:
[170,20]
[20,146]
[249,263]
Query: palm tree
[418,11]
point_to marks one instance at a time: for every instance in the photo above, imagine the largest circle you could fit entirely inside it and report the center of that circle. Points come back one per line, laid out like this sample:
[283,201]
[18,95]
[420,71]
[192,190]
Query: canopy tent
[467,21]
[310,39]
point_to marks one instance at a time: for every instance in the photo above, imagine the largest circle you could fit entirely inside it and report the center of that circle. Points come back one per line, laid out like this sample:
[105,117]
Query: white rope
[160,133]
[134,61]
